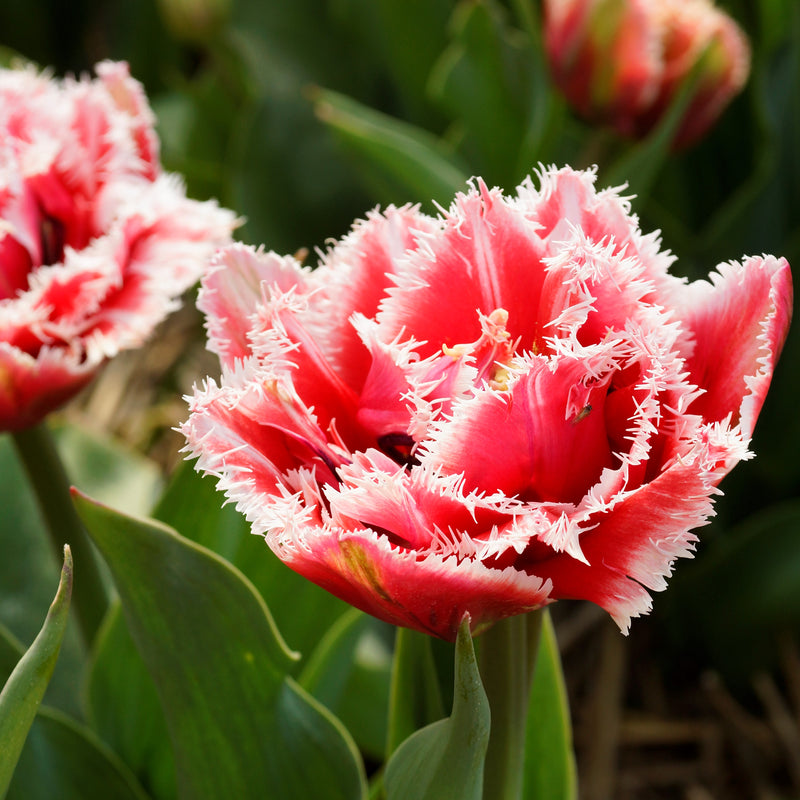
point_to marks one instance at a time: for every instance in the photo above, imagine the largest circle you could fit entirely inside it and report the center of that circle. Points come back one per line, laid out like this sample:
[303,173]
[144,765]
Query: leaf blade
[25,687]
[240,727]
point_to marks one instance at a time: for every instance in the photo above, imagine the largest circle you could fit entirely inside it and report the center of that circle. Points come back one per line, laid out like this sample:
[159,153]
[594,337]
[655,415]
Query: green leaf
[400,162]
[444,761]
[192,504]
[549,772]
[240,727]
[415,699]
[124,709]
[63,759]
[28,571]
[24,689]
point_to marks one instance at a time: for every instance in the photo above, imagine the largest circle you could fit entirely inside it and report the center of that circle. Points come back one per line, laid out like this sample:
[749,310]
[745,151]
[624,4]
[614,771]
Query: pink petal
[635,541]
[429,593]
[544,439]
[738,323]
[354,276]
[480,260]
[33,387]
[232,288]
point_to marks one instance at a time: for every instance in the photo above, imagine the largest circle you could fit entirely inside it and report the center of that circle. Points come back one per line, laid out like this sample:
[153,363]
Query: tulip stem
[507,659]
[48,478]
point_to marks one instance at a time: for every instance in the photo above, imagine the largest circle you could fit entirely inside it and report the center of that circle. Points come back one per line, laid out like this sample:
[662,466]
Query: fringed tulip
[96,242]
[624,62]
[484,412]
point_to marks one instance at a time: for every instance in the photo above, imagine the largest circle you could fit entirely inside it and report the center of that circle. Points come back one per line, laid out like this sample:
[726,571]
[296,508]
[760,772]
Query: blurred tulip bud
[623,62]
[194,20]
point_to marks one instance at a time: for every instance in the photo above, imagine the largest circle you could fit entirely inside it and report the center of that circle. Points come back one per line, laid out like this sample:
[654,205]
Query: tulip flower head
[624,62]
[487,411]
[96,242]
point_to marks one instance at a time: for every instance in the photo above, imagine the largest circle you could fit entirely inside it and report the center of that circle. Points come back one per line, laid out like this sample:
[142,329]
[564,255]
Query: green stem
[45,470]
[507,658]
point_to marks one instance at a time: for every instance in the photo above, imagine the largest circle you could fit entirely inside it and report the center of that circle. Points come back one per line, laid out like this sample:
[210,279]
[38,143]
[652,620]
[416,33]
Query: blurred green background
[302,115]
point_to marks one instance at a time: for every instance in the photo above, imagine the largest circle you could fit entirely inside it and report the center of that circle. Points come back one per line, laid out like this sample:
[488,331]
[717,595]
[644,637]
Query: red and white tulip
[487,411]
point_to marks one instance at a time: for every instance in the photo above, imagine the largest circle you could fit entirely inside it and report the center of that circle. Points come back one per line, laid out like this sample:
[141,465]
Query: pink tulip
[623,62]
[96,243]
[488,411]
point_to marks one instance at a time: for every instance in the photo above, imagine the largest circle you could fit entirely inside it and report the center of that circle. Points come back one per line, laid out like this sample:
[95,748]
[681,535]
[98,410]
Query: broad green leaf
[124,709]
[549,758]
[400,162]
[65,760]
[240,727]
[415,699]
[444,761]
[192,504]
[25,687]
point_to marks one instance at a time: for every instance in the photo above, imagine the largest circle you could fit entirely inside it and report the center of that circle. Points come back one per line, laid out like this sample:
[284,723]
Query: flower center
[52,236]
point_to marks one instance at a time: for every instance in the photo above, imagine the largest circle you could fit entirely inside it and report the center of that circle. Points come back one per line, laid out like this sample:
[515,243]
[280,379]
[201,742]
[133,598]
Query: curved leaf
[26,685]
[124,709]
[240,727]
[192,503]
[401,162]
[444,761]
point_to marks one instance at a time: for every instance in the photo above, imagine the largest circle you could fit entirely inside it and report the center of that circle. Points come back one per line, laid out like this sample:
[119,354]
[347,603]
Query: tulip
[97,243]
[625,62]
[481,413]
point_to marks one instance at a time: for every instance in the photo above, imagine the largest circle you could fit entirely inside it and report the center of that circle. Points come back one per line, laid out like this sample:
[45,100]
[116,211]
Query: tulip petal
[486,256]
[233,286]
[544,439]
[737,323]
[429,593]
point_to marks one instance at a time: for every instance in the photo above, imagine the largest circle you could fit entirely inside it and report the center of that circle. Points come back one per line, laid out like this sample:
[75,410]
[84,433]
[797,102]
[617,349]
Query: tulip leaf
[415,699]
[192,504]
[63,759]
[444,761]
[124,709]
[549,770]
[25,687]
[401,163]
[239,725]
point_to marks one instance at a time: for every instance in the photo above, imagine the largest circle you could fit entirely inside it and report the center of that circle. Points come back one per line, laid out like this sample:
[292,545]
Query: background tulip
[625,62]
[97,243]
